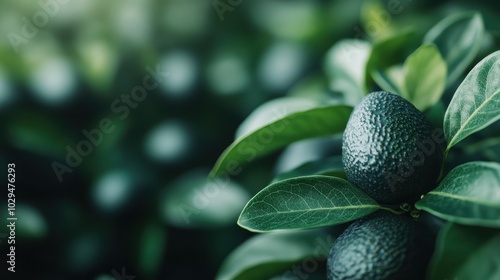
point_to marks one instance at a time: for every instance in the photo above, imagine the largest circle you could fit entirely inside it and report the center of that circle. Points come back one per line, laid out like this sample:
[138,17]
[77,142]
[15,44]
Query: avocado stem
[392,210]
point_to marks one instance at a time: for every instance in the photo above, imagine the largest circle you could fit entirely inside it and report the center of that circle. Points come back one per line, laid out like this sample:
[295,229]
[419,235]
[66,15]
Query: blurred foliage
[65,67]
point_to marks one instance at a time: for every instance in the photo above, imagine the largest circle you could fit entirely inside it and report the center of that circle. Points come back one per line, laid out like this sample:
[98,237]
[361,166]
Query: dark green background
[109,212]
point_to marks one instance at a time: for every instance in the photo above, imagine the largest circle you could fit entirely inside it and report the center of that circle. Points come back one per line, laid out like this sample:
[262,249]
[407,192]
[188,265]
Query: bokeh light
[113,190]
[194,201]
[168,142]
[33,225]
[228,75]
[180,69]
[54,81]
[281,65]
[141,199]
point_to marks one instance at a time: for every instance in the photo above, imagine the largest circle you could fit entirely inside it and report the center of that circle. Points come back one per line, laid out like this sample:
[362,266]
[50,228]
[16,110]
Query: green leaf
[272,111]
[316,122]
[469,194]
[458,38]
[266,255]
[475,104]
[345,65]
[390,79]
[329,166]
[306,202]
[193,201]
[421,80]
[424,77]
[465,252]
[384,54]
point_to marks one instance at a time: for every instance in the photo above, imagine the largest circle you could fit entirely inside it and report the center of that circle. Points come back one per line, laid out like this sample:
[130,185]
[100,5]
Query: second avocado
[390,150]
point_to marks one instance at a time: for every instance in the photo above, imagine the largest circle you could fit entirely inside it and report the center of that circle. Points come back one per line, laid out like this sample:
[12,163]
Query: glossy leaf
[316,122]
[424,77]
[458,38]
[273,110]
[390,79]
[345,65]
[306,202]
[469,194]
[266,255]
[328,166]
[384,54]
[465,252]
[421,80]
[476,103]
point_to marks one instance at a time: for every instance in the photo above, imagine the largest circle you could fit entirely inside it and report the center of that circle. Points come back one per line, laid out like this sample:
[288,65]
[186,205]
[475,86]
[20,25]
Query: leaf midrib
[313,209]
[470,118]
[464,198]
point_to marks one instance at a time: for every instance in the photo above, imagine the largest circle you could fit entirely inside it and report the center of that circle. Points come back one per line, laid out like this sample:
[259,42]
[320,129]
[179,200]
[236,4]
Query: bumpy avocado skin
[388,149]
[380,246]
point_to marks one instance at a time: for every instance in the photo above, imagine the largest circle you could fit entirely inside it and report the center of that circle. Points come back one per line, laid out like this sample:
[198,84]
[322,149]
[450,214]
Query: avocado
[381,246]
[389,149]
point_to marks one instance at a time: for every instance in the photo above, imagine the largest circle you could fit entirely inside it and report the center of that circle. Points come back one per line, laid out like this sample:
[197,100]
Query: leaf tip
[247,227]
[240,221]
